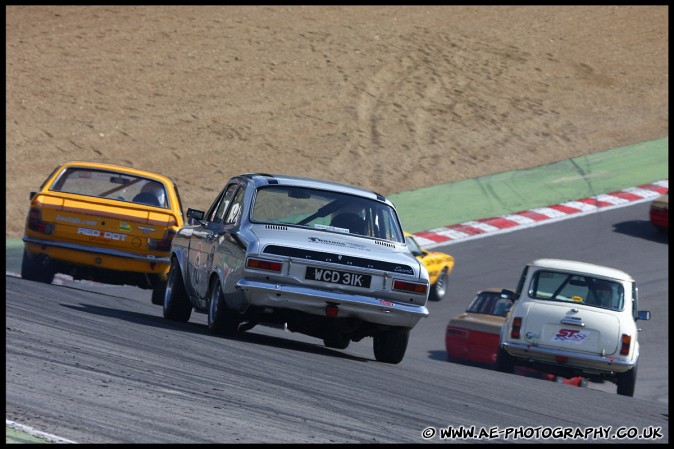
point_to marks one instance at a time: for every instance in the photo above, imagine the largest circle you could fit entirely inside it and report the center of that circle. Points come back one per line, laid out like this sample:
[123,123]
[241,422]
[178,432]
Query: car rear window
[111,185]
[577,288]
[326,210]
[489,303]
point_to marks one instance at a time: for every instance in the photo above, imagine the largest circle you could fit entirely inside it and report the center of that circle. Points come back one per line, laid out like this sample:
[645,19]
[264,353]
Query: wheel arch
[180,255]
[215,276]
[218,275]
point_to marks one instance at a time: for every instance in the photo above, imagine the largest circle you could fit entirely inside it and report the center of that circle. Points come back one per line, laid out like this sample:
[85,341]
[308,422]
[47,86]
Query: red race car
[659,212]
[473,335]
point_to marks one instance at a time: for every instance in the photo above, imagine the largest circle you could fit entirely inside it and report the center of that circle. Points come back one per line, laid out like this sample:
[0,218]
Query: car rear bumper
[312,301]
[659,218]
[474,346]
[80,254]
[584,362]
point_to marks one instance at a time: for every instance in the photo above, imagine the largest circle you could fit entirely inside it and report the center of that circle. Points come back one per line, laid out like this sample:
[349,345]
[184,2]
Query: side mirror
[32,195]
[195,215]
[643,315]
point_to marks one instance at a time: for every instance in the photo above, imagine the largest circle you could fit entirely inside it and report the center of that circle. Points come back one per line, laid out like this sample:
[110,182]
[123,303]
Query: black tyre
[627,381]
[158,293]
[32,270]
[439,289]
[504,361]
[336,340]
[221,319]
[176,304]
[390,346]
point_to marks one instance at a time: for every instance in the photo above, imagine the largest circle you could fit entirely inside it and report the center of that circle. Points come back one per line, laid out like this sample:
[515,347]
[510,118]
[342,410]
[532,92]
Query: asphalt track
[489,196]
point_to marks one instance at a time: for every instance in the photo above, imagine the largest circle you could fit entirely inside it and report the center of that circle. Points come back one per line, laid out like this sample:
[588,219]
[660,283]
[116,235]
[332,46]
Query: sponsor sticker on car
[104,234]
[571,335]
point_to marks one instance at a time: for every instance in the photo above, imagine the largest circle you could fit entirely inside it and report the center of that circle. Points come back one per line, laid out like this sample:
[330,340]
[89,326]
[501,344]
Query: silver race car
[323,259]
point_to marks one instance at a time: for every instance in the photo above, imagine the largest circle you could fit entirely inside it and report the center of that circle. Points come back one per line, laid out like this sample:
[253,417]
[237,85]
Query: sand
[390,98]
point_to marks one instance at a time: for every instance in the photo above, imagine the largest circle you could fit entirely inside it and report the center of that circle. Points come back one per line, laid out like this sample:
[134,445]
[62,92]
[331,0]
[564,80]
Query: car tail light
[625,341]
[164,244]
[261,264]
[36,224]
[411,287]
[517,324]
[561,359]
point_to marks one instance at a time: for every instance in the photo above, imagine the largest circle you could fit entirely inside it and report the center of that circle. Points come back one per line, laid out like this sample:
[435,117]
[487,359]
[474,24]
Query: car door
[203,242]
[227,253]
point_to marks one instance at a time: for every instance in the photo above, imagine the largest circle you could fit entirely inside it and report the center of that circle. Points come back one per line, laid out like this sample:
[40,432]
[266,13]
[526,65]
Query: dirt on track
[390,98]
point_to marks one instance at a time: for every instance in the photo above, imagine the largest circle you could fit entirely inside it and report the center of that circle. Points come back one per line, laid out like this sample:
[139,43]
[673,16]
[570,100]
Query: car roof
[663,199]
[490,290]
[581,267]
[120,168]
[262,179]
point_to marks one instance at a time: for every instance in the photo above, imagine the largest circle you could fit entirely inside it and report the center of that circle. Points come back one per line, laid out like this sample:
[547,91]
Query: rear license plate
[338,277]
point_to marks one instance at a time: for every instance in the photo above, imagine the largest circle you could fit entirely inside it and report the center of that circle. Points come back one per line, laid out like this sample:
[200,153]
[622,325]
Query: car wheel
[504,361]
[34,271]
[439,289]
[158,293]
[177,306]
[627,381]
[336,340]
[390,345]
[221,319]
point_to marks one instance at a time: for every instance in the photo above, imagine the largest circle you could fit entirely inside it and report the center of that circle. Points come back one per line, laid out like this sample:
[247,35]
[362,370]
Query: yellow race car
[104,223]
[439,266]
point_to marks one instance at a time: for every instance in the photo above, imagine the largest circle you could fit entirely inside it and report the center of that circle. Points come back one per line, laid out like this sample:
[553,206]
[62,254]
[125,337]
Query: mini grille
[387,244]
[276,227]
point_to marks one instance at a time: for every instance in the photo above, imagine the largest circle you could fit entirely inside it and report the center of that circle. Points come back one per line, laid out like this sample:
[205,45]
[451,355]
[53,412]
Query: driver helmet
[604,292]
[157,190]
